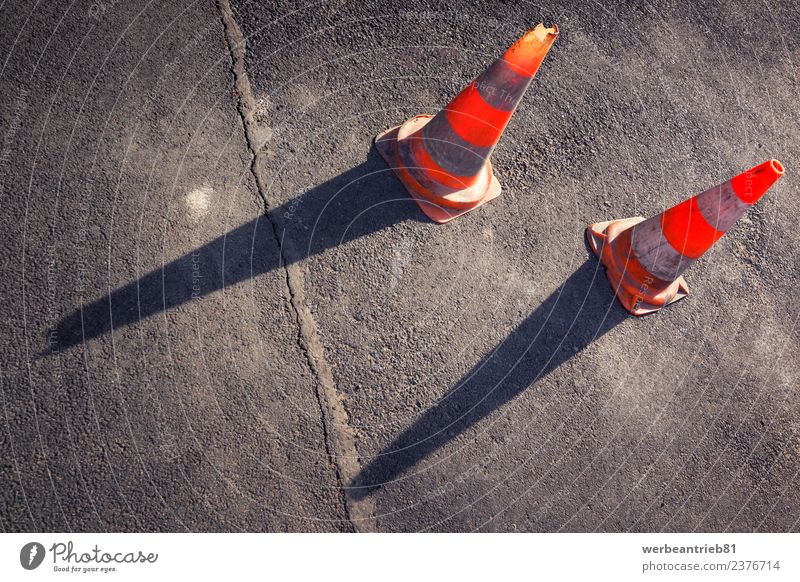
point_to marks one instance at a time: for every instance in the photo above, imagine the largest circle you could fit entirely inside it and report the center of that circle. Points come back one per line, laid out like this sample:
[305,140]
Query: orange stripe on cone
[687,231]
[475,120]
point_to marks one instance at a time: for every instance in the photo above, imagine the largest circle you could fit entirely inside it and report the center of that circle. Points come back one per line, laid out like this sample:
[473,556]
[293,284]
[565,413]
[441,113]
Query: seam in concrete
[339,441]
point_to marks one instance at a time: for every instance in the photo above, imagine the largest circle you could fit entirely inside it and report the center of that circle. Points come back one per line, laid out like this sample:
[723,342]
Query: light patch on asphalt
[198,201]
[264,110]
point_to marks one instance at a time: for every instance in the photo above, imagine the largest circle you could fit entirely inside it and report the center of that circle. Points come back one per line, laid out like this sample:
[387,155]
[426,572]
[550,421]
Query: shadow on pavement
[356,203]
[571,318]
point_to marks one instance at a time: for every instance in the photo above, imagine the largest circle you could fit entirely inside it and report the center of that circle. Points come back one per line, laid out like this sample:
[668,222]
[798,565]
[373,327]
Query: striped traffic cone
[443,160]
[644,259]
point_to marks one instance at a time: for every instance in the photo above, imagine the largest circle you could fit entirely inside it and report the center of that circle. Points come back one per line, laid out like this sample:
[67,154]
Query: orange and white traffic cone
[443,160]
[644,259]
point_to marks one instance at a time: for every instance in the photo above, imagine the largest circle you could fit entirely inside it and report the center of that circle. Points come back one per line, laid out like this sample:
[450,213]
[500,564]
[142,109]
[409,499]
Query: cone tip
[777,167]
[751,185]
[526,55]
[543,30]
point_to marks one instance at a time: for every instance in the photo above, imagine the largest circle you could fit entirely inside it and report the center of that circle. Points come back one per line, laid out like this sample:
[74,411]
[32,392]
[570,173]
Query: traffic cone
[443,160]
[644,259]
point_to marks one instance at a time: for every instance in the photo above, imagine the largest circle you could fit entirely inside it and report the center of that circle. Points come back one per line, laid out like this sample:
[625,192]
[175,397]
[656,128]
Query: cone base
[641,303]
[437,208]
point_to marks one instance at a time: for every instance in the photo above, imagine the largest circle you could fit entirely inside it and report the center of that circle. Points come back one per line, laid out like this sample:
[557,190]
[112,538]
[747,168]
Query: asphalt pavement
[222,311]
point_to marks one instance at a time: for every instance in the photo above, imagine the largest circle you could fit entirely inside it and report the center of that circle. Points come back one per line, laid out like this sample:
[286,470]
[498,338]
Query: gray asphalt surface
[174,358]
[130,153]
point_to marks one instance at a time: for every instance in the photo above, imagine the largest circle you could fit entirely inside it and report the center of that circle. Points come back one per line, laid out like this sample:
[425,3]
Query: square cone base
[386,144]
[597,235]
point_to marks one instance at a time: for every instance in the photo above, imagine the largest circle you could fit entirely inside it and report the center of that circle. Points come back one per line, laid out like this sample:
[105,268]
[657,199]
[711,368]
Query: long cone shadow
[572,317]
[356,203]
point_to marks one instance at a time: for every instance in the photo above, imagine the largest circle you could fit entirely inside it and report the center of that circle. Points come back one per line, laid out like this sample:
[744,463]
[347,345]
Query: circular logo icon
[31,555]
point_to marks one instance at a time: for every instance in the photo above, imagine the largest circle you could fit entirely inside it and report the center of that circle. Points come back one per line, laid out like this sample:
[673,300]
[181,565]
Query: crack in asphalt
[339,441]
